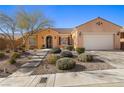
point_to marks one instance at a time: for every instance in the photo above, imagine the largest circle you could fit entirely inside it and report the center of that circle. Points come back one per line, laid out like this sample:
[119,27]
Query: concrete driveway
[114,58]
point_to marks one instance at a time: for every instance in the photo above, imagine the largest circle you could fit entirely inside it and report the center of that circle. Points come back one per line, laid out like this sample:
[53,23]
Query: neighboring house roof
[2,35]
[101,19]
[63,30]
[17,36]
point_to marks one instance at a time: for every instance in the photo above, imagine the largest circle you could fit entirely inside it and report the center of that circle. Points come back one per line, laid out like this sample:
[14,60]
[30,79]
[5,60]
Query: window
[32,41]
[122,34]
[59,40]
[64,40]
[69,41]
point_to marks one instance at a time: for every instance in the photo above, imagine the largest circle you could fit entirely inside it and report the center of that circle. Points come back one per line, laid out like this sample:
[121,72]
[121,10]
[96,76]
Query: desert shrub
[7,51]
[82,57]
[52,58]
[23,51]
[21,48]
[16,55]
[2,55]
[16,50]
[12,61]
[89,58]
[70,47]
[26,53]
[85,57]
[80,50]
[66,53]
[43,46]
[65,63]
[32,47]
[35,50]
[56,50]
[29,57]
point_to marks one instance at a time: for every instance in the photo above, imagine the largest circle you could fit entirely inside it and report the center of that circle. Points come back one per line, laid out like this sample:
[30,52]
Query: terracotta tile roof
[63,30]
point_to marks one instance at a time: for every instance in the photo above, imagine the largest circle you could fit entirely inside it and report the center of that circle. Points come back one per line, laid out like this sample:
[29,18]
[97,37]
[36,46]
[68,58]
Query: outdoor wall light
[99,23]
[54,37]
[118,33]
[42,37]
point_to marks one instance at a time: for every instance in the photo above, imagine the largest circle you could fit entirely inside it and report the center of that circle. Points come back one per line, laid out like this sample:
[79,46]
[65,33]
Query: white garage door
[98,42]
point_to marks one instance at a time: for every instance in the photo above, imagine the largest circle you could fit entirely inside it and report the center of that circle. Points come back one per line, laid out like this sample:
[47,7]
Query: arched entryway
[49,42]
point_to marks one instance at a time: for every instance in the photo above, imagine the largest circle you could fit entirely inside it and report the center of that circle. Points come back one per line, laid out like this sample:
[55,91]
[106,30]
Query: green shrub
[66,53]
[16,55]
[70,47]
[21,48]
[12,61]
[85,57]
[65,63]
[56,50]
[80,50]
[52,58]
[2,55]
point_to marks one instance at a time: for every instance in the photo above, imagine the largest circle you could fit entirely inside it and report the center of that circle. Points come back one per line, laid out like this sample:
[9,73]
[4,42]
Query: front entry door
[49,42]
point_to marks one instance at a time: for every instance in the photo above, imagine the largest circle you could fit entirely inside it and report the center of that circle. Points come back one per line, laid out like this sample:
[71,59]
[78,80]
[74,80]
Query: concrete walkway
[22,76]
[36,58]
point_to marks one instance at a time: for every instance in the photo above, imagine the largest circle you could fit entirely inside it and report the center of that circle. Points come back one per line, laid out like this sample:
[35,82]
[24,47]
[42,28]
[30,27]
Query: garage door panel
[98,42]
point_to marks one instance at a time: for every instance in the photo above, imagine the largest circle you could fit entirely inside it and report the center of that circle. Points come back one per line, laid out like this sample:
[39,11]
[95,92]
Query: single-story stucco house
[97,34]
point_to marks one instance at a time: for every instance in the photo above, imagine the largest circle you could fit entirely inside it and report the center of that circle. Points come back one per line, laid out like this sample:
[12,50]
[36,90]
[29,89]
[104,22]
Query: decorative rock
[37,57]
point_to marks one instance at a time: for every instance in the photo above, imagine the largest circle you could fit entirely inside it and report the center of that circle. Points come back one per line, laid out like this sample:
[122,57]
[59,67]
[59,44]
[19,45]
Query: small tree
[8,28]
[29,23]
[3,41]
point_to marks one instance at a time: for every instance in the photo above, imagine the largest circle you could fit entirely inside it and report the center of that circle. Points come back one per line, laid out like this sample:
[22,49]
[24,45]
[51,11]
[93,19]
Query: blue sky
[71,16]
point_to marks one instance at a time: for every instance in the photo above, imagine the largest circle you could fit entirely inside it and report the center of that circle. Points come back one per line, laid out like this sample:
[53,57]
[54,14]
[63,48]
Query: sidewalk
[99,78]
